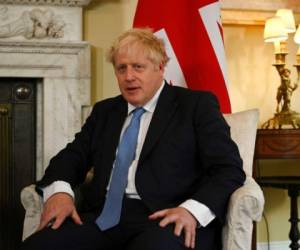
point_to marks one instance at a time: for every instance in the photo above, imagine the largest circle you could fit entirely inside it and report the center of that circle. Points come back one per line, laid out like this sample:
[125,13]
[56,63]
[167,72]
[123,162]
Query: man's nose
[129,74]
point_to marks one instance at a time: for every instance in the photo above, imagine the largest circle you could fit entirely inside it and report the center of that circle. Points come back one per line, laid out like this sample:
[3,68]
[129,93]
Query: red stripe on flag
[190,41]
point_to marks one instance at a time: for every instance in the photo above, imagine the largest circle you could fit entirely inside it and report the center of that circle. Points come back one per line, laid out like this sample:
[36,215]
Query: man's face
[138,77]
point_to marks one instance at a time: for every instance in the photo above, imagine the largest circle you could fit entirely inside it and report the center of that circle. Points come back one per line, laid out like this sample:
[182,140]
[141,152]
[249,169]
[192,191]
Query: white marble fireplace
[43,39]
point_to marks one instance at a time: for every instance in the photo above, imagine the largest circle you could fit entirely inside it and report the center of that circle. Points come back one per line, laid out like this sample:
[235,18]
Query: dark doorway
[17,154]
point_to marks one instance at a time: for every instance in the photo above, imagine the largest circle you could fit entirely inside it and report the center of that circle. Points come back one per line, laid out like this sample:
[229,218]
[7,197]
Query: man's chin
[132,100]
[136,99]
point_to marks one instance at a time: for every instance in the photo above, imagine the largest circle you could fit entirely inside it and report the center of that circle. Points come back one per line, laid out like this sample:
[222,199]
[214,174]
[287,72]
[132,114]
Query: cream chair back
[243,126]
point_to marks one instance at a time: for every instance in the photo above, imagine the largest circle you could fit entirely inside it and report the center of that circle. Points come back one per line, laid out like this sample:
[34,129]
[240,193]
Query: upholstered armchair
[245,205]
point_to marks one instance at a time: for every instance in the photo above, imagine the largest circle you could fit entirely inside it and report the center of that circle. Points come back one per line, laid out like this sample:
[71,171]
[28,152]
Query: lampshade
[275,30]
[288,19]
[297,35]
[297,40]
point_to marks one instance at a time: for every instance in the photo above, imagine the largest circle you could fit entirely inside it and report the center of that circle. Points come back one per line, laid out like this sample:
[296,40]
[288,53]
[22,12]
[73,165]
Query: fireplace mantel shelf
[43,47]
[70,3]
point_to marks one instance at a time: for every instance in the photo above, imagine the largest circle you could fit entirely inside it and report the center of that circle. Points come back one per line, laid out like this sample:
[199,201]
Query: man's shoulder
[189,98]
[109,102]
[190,93]
[104,107]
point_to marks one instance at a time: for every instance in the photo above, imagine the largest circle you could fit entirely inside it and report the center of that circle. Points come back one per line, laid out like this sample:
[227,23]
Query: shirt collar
[151,104]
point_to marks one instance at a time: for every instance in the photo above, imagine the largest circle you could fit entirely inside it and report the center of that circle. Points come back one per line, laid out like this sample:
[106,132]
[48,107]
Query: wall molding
[274,245]
[260,5]
[254,12]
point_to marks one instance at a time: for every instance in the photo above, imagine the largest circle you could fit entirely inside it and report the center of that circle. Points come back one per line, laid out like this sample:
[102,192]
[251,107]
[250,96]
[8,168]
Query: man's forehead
[132,49]
[131,56]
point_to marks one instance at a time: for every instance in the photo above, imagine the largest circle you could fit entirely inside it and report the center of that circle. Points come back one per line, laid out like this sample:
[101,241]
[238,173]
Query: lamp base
[288,118]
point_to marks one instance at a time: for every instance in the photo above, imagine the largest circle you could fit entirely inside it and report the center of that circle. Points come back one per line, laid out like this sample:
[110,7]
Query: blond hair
[154,47]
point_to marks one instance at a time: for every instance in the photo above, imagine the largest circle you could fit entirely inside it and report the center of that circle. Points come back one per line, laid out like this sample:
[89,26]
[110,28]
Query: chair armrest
[248,199]
[33,206]
[245,206]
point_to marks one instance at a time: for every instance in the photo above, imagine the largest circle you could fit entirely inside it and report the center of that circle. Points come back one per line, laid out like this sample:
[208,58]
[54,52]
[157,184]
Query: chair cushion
[243,126]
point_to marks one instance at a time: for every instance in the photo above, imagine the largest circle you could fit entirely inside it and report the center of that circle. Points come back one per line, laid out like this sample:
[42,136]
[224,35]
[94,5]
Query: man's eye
[138,67]
[121,68]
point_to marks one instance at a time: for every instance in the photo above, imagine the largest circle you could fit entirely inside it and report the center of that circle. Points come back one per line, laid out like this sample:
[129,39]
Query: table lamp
[276,30]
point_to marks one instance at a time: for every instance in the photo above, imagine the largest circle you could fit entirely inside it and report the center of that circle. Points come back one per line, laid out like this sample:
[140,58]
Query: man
[178,180]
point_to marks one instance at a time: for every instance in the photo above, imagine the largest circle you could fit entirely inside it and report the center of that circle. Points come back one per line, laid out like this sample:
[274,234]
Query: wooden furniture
[281,144]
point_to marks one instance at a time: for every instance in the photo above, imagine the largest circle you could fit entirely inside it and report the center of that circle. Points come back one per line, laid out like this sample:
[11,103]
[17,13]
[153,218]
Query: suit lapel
[115,122]
[165,109]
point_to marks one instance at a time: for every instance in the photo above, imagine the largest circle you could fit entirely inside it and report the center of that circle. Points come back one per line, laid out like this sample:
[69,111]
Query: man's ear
[161,67]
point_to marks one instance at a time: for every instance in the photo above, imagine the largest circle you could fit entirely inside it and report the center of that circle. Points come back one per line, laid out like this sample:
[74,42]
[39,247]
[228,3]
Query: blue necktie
[111,212]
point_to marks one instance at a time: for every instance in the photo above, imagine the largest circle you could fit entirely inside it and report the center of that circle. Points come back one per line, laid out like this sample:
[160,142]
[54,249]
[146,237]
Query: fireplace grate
[5,164]
[5,145]
[17,154]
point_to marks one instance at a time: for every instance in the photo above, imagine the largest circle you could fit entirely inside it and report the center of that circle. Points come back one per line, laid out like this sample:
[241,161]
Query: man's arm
[221,163]
[220,159]
[201,212]
[57,187]
[69,166]
[73,162]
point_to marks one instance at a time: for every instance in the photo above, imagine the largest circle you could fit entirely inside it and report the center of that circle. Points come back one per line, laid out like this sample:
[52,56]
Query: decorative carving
[274,143]
[48,2]
[23,92]
[3,13]
[282,145]
[36,23]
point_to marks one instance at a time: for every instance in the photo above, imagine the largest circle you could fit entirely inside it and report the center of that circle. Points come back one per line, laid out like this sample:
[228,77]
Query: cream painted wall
[104,20]
[253,81]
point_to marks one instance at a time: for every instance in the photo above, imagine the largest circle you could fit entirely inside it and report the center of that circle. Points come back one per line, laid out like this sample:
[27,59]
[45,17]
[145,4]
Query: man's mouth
[132,89]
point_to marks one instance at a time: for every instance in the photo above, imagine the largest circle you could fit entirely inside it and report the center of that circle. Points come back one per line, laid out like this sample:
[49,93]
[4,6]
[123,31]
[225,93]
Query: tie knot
[138,112]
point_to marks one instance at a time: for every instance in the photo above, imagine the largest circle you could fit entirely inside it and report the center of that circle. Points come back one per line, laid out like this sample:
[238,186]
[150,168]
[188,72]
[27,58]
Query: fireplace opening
[17,153]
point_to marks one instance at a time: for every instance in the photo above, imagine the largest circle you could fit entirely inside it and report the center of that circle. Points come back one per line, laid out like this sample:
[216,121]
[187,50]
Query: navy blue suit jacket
[187,154]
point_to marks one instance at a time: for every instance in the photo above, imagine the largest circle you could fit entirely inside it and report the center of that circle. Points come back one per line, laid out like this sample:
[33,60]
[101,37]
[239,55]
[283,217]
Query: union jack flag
[192,32]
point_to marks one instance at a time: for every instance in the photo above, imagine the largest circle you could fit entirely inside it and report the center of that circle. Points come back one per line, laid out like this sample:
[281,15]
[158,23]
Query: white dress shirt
[201,212]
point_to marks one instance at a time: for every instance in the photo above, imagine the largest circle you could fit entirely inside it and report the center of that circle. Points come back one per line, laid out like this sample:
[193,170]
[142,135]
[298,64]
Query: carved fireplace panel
[42,40]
